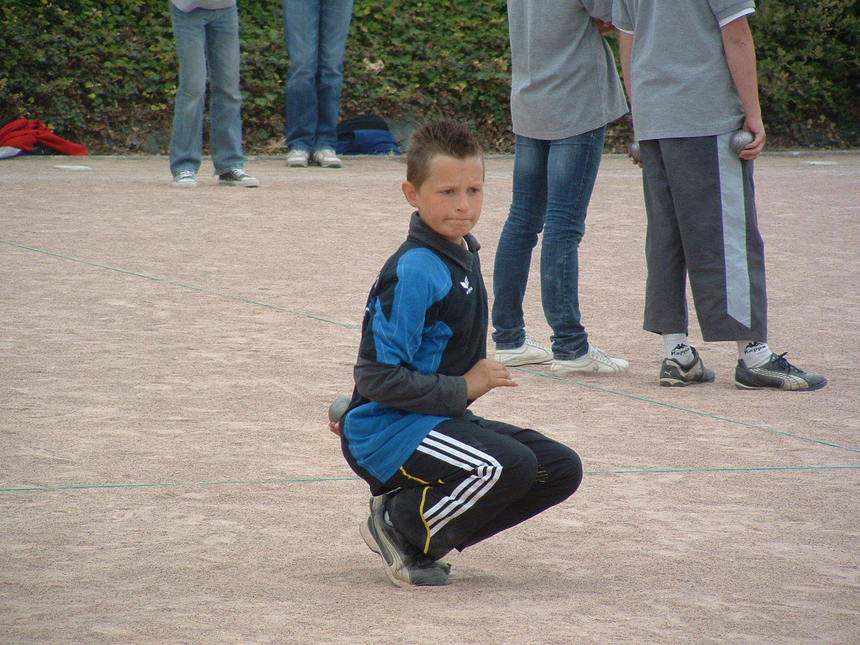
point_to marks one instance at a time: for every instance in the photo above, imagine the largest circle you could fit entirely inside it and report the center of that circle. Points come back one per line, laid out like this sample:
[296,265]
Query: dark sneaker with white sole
[777,373]
[673,374]
[238,177]
[404,565]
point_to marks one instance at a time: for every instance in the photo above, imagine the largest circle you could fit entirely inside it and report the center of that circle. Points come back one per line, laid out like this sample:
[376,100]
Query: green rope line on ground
[183,286]
[302,480]
[529,371]
[708,415]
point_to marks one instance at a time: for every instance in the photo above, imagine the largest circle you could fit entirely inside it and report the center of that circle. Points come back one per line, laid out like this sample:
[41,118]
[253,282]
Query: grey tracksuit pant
[700,203]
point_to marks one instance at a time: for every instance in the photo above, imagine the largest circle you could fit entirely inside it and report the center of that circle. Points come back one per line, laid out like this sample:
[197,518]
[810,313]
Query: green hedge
[104,73]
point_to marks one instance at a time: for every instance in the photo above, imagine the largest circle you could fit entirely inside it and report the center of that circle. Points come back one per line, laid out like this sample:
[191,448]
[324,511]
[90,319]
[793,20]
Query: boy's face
[451,197]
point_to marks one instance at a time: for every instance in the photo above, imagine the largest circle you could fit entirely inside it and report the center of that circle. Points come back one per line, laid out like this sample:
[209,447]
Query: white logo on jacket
[465,285]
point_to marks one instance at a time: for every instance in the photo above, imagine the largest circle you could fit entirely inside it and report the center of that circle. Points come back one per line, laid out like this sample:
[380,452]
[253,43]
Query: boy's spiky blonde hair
[442,137]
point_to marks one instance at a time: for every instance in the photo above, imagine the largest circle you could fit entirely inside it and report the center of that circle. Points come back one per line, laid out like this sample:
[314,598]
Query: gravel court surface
[166,475]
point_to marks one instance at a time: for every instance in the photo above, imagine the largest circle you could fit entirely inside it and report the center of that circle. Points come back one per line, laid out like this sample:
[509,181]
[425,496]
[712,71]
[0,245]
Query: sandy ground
[166,475]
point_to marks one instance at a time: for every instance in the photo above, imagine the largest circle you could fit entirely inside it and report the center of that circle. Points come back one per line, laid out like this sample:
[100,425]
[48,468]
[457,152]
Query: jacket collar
[420,232]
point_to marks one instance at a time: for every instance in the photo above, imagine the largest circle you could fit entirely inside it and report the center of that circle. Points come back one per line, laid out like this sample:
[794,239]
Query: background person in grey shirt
[690,70]
[564,90]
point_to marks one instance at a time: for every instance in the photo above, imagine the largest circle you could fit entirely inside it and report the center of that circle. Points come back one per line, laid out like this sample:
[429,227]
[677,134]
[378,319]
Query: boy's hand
[485,375]
[334,426]
[754,148]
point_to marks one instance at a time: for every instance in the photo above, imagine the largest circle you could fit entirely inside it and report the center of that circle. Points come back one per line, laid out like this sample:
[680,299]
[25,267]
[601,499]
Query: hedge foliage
[104,73]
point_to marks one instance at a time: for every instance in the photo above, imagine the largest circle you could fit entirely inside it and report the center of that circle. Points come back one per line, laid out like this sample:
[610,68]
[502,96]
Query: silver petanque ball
[337,408]
[634,151]
[740,140]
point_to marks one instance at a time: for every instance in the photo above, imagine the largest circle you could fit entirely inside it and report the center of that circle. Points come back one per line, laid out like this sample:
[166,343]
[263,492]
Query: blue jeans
[316,32]
[553,181]
[207,39]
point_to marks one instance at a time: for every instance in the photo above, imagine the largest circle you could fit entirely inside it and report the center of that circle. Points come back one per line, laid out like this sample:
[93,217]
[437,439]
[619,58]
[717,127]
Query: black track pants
[472,478]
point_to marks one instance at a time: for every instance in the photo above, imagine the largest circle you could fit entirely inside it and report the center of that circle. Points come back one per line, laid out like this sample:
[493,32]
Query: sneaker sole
[373,543]
[515,362]
[811,388]
[678,383]
[675,382]
[568,371]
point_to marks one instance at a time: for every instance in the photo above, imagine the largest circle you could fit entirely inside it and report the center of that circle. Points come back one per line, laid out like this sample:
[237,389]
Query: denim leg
[222,53]
[186,138]
[302,32]
[335,17]
[571,173]
[519,237]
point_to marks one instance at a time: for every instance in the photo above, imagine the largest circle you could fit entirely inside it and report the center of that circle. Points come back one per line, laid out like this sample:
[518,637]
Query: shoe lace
[531,342]
[782,364]
[185,174]
[599,355]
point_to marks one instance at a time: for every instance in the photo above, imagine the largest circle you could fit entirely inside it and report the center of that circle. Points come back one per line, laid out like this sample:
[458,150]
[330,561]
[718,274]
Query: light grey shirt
[681,83]
[191,5]
[564,80]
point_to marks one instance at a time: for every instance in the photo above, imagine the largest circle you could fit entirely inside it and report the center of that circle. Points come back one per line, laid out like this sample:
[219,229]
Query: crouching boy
[442,478]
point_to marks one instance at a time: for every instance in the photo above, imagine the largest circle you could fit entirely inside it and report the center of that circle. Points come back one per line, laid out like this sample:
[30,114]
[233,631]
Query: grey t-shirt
[564,79]
[191,5]
[682,86]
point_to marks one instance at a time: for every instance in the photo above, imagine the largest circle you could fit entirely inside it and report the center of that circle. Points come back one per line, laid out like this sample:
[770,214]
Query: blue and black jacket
[425,325]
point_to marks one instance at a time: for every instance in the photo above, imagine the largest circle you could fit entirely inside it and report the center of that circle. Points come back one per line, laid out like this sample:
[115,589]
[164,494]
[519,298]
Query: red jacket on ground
[25,134]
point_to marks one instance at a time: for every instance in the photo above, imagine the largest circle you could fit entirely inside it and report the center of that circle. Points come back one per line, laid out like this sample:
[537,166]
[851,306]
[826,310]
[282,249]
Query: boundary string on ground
[708,415]
[305,480]
[181,285]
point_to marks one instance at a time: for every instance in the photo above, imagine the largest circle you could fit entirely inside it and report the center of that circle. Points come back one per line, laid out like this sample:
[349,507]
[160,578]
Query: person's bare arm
[625,47]
[740,55]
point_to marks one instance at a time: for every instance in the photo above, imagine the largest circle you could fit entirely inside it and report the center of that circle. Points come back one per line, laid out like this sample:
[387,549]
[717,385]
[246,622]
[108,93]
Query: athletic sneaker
[595,362]
[403,565]
[379,501]
[777,373]
[185,179]
[673,374]
[529,353]
[238,177]
[298,158]
[326,158]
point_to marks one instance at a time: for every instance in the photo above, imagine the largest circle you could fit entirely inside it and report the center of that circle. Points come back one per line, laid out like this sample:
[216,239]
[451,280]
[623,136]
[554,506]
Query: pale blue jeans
[553,180]
[207,41]
[316,32]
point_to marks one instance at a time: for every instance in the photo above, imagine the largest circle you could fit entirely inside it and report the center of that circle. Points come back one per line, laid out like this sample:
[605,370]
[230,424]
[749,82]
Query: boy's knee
[570,471]
[519,470]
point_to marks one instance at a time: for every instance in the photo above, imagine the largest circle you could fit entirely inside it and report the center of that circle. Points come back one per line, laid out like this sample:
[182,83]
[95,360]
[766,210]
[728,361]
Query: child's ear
[410,193]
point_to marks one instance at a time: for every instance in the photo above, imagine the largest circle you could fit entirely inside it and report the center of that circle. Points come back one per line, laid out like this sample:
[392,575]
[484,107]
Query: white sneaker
[298,158]
[529,353]
[326,158]
[185,179]
[595,362]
